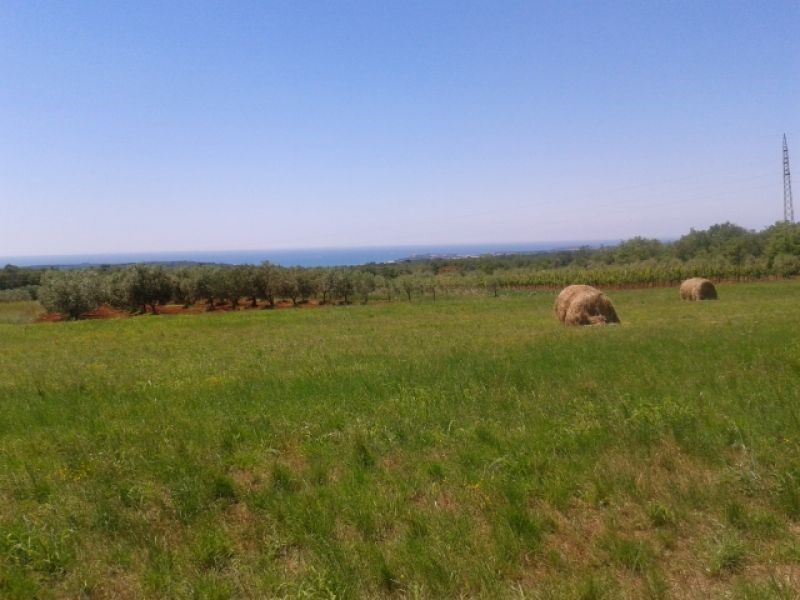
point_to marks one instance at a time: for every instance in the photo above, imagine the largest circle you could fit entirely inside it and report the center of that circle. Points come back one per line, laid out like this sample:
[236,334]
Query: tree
[12,277]
[385,284]
[254,284]
[308,282]
[782,238]
[786,265]
[184,287]
[342,284]
[327,285]
[71,293]
[707,242]
[203,285]
[636,249]
[270,279]
[287,286]
[407,284]
[492,284]
[148,286]
[364,285]
[217,290]
[235,283]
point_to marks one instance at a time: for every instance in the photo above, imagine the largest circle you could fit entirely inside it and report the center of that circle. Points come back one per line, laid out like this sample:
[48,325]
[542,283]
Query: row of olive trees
[270,283]
[143,288]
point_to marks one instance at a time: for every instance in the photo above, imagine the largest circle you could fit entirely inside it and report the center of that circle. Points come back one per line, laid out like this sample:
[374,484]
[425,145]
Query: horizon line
[326,248]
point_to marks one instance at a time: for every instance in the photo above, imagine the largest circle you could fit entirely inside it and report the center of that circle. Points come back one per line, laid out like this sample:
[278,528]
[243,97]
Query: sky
[155,126]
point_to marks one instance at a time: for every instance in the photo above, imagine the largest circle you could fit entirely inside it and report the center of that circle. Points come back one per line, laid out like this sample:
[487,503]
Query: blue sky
[150,126]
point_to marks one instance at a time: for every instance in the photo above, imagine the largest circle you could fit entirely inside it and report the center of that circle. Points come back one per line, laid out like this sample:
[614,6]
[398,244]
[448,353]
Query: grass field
[468,447]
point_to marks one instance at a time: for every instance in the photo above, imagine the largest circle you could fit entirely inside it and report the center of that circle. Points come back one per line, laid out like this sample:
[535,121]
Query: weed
[213,550]
[789,494]
[283,480]
[635,555]
[661,515]
[223,488]
[727,554]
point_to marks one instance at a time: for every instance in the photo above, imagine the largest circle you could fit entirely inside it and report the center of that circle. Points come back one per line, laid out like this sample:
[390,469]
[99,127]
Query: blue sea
[312,257]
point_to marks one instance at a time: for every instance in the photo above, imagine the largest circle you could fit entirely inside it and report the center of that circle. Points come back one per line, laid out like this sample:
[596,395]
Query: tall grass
[465,447]
[16,312]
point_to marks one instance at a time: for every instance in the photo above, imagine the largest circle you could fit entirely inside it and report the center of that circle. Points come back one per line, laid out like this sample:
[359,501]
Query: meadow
[466,447]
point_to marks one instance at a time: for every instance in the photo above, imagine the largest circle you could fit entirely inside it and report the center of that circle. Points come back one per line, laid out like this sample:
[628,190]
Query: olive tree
[492,284]
[253,284]
[386,285]
[408,284]
[308,283]
[364,284]
[184,287]
[203,285]
[71,293]
[429,283]
[327,283]
[234,282]
[287,285]
[343,285]
[270,280]
[149,286]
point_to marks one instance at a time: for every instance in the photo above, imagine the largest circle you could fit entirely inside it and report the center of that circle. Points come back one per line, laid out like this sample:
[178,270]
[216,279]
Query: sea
[309,257]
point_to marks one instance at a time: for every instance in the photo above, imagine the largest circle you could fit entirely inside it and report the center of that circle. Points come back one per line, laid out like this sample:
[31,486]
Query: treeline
[142,288]
[732,249]
[18,284]
[723,251]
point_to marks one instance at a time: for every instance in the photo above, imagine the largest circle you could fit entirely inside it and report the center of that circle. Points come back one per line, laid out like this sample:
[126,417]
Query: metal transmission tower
[788,209]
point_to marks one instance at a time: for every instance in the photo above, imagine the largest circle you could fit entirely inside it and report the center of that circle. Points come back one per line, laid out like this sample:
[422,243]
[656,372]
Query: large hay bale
[590,308]
[698,288]
[565,298]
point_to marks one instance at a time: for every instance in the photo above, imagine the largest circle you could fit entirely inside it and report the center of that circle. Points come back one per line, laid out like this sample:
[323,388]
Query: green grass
[466,447]
[19,312]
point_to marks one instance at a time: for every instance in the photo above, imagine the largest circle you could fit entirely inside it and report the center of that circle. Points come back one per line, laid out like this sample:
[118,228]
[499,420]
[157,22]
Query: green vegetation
[723,252]
[19,311]
[468,446]
[12,277]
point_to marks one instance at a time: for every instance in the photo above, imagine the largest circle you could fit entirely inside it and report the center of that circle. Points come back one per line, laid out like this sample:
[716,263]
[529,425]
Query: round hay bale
[590,308]
[698,288]
[565,298]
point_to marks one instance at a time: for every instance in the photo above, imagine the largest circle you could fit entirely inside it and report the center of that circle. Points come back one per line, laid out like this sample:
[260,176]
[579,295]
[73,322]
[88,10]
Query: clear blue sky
[149,126]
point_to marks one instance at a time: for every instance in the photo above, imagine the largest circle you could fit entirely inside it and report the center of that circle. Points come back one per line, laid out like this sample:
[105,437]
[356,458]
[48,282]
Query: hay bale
[584,305]
[698,288]
[590,308]
[565,298]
